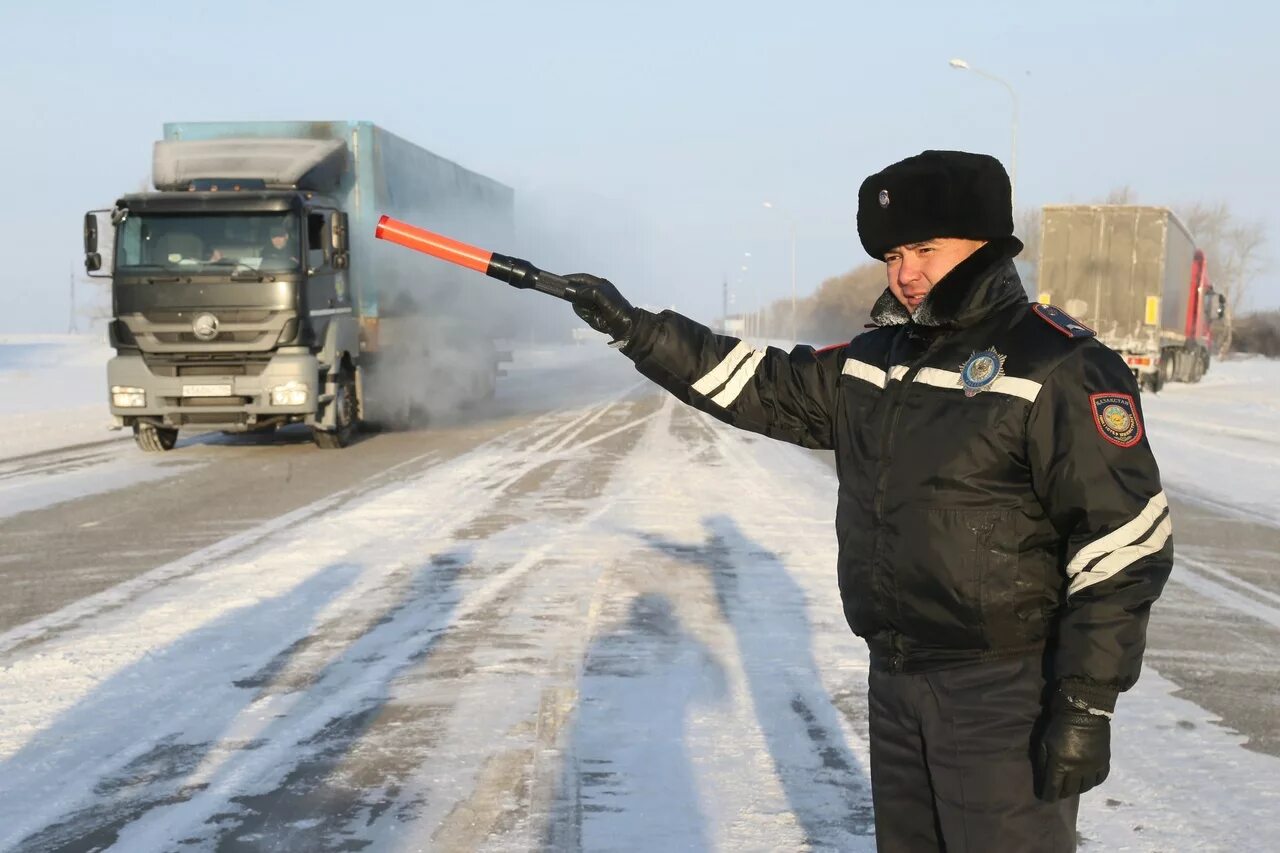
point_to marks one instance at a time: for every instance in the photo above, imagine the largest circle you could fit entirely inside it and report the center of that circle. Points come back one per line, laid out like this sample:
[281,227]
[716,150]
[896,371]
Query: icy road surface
[583,618]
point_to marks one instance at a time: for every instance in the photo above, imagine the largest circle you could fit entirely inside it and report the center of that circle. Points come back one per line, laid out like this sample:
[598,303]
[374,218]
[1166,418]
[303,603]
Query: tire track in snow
[1232,592]
[483,488]
[454,641]
[54,461]
[120,595]
[502,800]
[313,711]
[710,603]
[1225,508]
[542,431]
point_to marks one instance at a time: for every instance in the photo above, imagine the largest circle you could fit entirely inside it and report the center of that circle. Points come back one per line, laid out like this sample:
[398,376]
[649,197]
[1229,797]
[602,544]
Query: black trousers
[951,762]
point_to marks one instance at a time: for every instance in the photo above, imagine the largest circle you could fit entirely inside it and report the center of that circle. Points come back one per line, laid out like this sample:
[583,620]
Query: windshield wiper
[242,271]
[137,269]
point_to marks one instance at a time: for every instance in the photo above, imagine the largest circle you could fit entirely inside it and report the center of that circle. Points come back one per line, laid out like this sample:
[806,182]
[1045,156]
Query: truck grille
[170,333]
[213,370]
[241,315]
[231,364]
[249,337]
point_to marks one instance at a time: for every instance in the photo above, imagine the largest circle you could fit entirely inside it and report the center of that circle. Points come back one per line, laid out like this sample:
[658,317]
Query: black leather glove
[1074,753]
[603,308]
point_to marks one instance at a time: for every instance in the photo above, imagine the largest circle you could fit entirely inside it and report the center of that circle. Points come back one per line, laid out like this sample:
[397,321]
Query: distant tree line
[1259,333]
[841,306]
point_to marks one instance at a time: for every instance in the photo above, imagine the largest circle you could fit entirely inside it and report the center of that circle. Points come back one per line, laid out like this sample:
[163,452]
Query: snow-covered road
[593,620]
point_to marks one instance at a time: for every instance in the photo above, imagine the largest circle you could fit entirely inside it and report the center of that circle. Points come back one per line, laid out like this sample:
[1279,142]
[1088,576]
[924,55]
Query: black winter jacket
[976,521]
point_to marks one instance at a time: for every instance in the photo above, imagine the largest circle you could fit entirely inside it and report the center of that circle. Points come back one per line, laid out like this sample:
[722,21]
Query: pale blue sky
[643,136]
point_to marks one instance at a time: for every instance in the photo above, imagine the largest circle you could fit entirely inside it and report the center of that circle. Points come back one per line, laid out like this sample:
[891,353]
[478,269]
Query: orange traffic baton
[514,271]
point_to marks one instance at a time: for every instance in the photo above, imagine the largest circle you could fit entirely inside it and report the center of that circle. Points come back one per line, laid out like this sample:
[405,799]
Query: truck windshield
[208,242]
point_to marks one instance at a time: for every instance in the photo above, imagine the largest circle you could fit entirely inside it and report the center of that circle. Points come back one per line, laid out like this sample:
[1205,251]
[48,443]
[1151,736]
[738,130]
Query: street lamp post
[961,65]
[791,224]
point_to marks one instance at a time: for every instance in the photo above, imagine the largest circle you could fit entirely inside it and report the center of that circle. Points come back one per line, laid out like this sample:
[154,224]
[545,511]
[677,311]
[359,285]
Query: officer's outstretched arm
[1094,473]
[788,396]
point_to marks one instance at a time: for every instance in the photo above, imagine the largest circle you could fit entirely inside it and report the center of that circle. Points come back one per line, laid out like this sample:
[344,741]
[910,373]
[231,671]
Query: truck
[248,291]
[1134,275]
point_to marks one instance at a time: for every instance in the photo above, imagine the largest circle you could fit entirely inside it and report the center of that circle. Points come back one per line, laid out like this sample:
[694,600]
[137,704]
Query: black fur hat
[934,194]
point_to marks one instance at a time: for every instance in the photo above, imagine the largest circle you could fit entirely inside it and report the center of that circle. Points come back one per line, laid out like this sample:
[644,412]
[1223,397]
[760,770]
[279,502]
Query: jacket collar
[980,285]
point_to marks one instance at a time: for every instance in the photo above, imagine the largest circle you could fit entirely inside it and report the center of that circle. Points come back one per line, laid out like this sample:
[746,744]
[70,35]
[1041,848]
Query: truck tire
[347,414]
[1153,381]
[1199,366]
[154,439]
[1185,365]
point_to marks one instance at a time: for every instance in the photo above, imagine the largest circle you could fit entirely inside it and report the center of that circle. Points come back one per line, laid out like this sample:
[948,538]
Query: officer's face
[915,268]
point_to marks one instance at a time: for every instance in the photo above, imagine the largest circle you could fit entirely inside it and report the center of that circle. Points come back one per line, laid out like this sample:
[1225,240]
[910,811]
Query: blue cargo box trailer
[249,292]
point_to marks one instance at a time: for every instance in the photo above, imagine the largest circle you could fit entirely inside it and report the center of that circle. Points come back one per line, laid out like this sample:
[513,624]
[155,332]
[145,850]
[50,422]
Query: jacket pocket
[1013,594]
[956,574]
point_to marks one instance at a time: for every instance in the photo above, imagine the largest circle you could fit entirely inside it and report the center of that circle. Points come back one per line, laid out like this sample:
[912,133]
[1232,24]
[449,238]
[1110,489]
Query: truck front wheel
[347,416]
[154,439]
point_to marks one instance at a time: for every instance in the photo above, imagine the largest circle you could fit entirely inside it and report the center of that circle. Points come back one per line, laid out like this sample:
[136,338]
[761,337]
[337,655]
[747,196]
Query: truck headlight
[128,397]
[291,393]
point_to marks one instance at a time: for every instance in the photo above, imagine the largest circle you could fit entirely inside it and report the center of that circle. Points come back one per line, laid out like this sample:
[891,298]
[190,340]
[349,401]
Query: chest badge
[981,371]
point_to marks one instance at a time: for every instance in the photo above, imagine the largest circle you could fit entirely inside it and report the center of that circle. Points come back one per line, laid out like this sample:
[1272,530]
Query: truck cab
[230,302]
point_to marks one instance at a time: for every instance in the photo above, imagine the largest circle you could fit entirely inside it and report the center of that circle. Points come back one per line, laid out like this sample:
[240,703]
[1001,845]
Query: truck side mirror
[338,231]
[339,239]
[1222,306]
[91,233]
[92,257]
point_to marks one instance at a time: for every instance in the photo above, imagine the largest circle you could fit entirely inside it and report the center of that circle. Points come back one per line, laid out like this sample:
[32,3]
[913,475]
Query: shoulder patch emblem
[1062,321]
[1116,418]
[981,371]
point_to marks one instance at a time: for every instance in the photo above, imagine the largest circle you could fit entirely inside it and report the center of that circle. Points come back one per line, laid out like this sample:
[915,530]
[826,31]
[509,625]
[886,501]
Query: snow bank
[52,392]
[1218,441]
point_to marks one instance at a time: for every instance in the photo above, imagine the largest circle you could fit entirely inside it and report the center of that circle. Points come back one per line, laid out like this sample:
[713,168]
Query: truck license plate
[206,390]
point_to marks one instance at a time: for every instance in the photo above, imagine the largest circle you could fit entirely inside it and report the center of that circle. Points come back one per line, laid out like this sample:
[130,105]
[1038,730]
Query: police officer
[1001,525]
